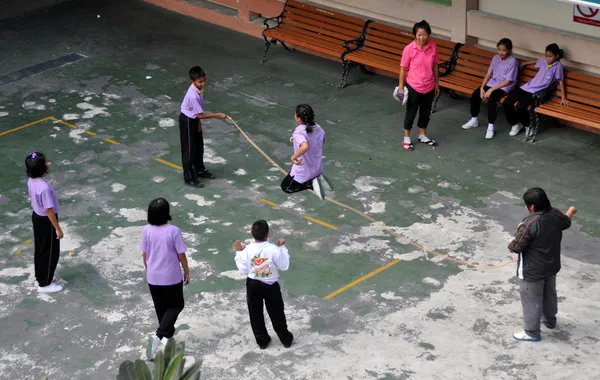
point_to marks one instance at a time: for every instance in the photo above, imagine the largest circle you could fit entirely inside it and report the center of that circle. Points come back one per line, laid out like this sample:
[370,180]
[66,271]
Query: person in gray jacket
[537,242]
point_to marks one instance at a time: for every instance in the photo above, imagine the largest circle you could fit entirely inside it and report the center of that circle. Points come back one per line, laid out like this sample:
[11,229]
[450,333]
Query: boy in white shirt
[261,261]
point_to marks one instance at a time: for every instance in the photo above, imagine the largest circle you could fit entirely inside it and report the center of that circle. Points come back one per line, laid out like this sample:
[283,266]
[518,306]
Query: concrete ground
[446,310]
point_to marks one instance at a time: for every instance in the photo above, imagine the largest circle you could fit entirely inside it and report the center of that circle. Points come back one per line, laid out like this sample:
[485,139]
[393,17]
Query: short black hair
[537,198]
[506,42]
[158,212]
[260,230]
[35,163]
[421,25]
[197,72]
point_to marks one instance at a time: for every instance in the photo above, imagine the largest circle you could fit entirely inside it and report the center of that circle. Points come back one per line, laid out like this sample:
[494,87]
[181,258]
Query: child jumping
[190,130]
[538,242]
[518,101]
[163,252]
[46,229]
[499,81]
[307,160]
[261,262]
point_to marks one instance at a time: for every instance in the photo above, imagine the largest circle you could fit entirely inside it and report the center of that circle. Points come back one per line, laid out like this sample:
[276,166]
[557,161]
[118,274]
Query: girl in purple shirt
[46,229]
[307,160]
[499,80]
[164,251]
[516,105]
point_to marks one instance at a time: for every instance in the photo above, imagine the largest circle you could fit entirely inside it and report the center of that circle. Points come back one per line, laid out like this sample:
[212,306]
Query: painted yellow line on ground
[90,133]
[310,218]
[26,125]
[18,252]
[68,124]
[165,162]
[26,242]
[268,202]
[365,277]
[111,141]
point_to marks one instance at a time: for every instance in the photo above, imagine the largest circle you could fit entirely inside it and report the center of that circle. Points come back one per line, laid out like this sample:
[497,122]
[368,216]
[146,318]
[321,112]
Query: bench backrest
[582,89]
[473,61]
[327,24]
[390,41]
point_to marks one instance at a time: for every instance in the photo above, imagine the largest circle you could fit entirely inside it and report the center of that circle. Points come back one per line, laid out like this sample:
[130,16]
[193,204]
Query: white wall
[550,13]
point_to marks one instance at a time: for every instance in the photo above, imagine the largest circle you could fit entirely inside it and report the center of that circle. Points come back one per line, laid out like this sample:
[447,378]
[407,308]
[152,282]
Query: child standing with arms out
[499,81]
[307,160]
[190,130]
[419,71]
[46,229]
[517,102]
[537,242]
[163,252]
[261,262]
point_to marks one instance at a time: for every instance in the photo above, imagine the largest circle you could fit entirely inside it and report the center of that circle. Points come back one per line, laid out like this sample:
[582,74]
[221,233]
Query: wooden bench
[381,47]
[583,93]
[314,28]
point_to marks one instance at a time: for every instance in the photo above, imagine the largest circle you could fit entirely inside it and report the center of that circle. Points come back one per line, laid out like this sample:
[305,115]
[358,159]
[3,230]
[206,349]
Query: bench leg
[347,68]
[531,132]
[286,48]
[267,46]
[453,94]
[364,69]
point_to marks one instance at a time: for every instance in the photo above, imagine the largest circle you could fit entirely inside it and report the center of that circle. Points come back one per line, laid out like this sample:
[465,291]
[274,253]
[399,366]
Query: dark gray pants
[540,305]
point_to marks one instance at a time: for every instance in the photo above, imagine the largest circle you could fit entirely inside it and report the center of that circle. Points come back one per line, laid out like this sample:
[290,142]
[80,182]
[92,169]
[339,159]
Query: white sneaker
[489,134]
[325,183]
[522,335]
[152,348]
[470,124]
[318,189]
[516,129]
[52,288]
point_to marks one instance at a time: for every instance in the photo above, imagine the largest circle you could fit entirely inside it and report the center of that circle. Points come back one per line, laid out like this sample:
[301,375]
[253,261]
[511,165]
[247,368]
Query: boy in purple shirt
[499,81]
[516,105]
[190,130]
[46,229]
[163,251]
[307,160]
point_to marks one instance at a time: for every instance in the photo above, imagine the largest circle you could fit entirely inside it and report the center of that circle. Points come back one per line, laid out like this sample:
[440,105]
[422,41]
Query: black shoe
[263,346]
[195,183]
[206,175]
[291,341]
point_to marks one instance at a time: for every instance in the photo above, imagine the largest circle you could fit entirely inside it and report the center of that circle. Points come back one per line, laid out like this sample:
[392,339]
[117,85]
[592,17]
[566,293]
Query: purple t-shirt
[193,102]
[312,160]
[162,244]
[502,70]
[42,196]
[545,76]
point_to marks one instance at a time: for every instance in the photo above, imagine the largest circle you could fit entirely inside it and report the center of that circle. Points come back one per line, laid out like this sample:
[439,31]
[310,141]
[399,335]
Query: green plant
[168,365]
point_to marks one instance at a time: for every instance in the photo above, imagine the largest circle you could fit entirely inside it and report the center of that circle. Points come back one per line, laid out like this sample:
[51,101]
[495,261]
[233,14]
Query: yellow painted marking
[71,252]
[111,141]
[68,124]
[268,202]
[167,163]
[26,242]
[90,133]
[365,277]
[26,125]
[321,222]
[18,252]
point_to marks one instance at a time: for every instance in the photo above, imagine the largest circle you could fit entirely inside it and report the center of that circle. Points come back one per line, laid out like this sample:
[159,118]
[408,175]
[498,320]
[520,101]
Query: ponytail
[307,115]
[554,49]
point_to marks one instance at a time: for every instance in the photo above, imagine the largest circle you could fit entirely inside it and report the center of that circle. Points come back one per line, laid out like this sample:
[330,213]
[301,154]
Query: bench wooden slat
[562,116]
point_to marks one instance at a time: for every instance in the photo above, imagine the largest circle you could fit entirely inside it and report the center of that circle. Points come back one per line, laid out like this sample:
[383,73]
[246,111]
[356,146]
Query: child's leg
[550,303]
[174,303]
[275,308]
[476,101]
[42,236]
[188,147]
[288,185]
[254,298]
[493,105]
[160,304]
[509,106]
[532,295]
[199,158]
[55,253]
[525,100]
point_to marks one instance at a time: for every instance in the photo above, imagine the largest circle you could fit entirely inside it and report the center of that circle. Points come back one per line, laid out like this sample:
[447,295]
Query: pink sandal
[408,146]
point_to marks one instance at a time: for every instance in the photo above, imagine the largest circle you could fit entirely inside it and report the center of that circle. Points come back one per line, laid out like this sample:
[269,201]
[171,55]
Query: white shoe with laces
[515,129]
[489,134]
[523,336]
[52,288]
[470,124]
[318,188]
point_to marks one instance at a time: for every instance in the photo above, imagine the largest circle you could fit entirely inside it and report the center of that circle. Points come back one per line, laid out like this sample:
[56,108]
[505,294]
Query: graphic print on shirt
[261,266]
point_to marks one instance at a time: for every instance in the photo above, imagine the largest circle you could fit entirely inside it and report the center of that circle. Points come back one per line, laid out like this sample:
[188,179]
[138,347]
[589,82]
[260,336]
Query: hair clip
[33,155]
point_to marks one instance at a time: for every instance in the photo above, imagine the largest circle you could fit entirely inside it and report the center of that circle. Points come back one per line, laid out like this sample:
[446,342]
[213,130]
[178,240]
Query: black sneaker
[263,346]
[291,341]
[206,175]
[195,183]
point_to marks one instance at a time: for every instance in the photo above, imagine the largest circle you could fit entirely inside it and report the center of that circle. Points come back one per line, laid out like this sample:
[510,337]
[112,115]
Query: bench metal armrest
[359,41]
[450,64]
[278,18]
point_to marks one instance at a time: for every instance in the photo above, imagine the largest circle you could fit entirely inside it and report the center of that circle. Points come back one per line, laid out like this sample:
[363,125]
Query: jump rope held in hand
[401,97]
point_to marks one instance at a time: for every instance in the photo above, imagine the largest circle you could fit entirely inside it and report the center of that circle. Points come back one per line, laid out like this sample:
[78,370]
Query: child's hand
[481,93]
[280,242]
[292,139]
[571,211]
[59,234]
[221,116]
[295,161]
[186,279]
[564,102]
[488,93]
[238,246]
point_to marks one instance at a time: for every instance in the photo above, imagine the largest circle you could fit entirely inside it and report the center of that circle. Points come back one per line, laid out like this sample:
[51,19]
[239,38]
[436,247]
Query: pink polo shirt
[420,64]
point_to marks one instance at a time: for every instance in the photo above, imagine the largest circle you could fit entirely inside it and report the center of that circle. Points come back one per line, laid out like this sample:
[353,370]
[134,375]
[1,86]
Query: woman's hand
[437,90]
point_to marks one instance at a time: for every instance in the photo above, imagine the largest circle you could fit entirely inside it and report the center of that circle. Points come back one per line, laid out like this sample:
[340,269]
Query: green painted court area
[402,274]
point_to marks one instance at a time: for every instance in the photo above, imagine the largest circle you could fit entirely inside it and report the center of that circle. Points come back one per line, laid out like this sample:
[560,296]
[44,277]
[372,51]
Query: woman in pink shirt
[419,73]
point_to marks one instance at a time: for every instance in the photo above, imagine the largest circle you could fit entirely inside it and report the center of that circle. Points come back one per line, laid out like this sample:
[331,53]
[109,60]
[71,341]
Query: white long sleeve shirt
[263,261]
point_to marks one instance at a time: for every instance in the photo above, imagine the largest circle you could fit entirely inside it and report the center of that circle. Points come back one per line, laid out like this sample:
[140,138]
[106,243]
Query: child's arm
[282,258]
[241,261]
[184,264]
[563,94]
[303,148]
[54,221]
[211,116]
[527,63]
[523,236]
[144,258]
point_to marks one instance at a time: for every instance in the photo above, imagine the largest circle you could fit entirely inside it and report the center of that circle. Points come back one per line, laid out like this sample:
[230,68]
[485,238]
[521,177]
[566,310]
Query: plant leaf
[170,350]
[159,365]
[173,366]
[126,371]
[142,371]
[192,372]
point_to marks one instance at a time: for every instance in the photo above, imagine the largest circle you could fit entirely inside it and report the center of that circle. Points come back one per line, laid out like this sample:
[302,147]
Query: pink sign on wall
[586,15]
